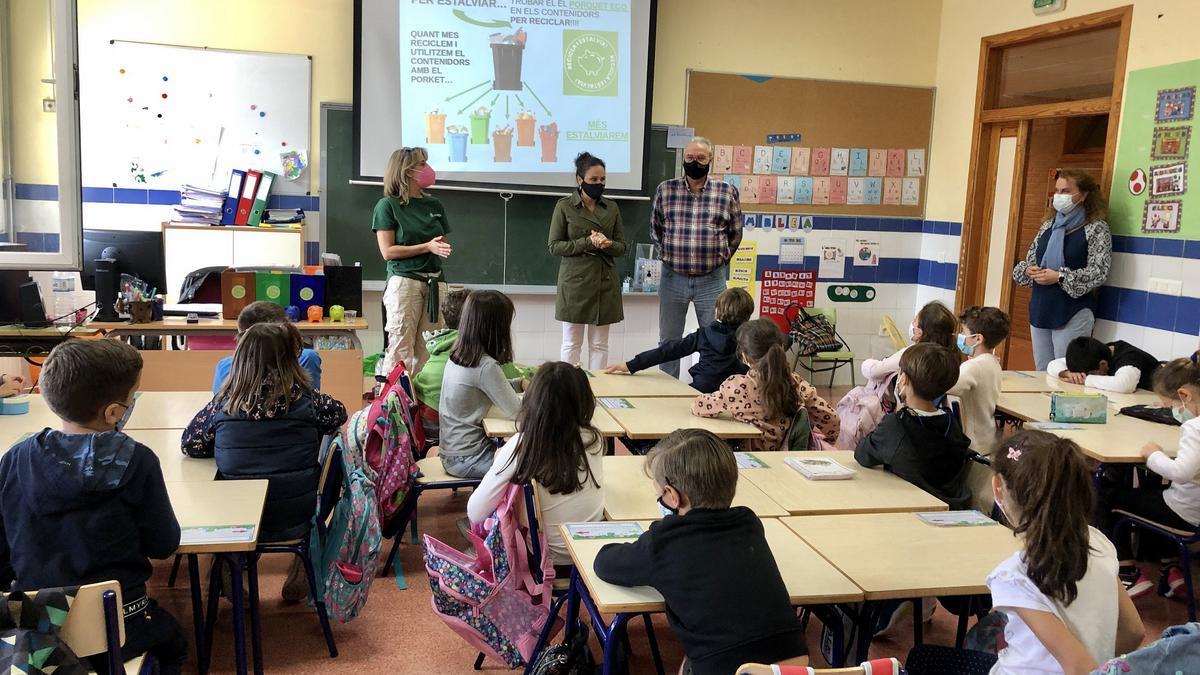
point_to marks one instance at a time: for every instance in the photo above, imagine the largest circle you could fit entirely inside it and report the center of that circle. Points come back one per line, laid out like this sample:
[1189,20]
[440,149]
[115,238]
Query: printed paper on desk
[916,162]
[820,162]
[723,159]
[750,188]
[799,162]
[856,190]
[820,190]
[858,161]
[746,460]
[910,192]
[743,156]
[781,159]
[891,190]
[785,190]
[877,162]
[874,189]
[762,159]
[804,190]
[766,189]
[955,518]
[615,403]
[604,530]
[833,260]
[791,250]
[895,162]
[820,468]
[839,161]
[838,189]
[866,253]
[230,534]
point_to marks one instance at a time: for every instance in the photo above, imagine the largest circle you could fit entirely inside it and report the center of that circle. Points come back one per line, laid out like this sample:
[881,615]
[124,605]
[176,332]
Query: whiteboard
[162,116]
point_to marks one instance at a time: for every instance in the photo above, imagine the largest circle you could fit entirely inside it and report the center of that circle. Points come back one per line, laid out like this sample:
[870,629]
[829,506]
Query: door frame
[972,260]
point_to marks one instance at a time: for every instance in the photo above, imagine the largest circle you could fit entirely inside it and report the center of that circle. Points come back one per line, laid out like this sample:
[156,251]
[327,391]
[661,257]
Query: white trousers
[572,344]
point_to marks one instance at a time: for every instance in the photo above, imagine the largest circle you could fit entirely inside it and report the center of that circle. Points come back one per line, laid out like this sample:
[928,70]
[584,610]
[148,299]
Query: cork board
[746,109]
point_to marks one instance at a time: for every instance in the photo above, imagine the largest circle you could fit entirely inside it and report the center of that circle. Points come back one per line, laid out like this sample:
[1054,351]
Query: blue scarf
[1052,258]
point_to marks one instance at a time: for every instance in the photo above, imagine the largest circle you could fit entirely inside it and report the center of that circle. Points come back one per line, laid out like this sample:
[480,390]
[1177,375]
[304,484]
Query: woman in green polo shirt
[586,233]
[410,227]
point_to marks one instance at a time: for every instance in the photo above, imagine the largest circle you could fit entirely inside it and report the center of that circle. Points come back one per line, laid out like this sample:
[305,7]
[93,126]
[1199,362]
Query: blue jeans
[1050,344]
[675,292]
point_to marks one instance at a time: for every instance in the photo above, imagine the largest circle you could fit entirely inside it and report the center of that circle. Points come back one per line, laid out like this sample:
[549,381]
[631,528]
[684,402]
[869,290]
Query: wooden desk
[1119,441]
[651,418]
[178,325]
[218,503]
[871,491]
[14,427]
[898,556]
[809,578]
[1038,382]
[36,342]
[176,467]
[498,426]
[648,383]
[166,409]
[629,493]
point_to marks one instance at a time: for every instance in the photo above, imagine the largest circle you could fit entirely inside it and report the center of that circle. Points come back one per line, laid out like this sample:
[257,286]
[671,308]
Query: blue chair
[1182,538]
[433,477]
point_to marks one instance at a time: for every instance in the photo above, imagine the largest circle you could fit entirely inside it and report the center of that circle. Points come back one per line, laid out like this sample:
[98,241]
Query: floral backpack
[491,598]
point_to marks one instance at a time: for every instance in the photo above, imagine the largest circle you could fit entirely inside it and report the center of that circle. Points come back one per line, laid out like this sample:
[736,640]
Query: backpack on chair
[859,412]
[803,435]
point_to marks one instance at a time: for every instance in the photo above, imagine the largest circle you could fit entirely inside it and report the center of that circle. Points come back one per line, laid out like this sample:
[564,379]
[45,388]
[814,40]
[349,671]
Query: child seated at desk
[11,385]
[978,390]
[934,323]
[558,447]
[1066,609]
[1178,506]
[923,443]
[88,504]
[770,394]
[716,343]
[726,600]
[266,312]
[474,382]
[1117,366]
[267,422]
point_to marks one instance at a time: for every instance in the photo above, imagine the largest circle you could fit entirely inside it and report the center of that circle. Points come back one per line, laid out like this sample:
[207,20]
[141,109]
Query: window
[1071,67]
[40,215]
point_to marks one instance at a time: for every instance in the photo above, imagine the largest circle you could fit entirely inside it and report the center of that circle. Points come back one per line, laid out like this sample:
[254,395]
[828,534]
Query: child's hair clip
[1014,454]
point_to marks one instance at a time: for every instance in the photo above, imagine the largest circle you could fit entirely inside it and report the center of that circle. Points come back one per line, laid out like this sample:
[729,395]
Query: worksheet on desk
[216,535]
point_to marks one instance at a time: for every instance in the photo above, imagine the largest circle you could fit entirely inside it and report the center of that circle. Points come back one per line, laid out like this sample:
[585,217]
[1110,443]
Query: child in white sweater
[933,323]
[978,389]
[1178,506]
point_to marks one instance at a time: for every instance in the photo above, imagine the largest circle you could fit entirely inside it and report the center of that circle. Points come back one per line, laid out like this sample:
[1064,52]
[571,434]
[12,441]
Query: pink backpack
[490,598]
[381,439]
[860,411]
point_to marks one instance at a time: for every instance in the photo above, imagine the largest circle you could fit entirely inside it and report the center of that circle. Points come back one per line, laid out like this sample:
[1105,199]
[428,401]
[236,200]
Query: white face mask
[912,333]
[1064,204]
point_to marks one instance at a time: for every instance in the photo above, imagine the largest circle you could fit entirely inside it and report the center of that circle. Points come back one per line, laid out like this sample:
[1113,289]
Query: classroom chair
[875,667]
[433,477]
[1184,539]
[893,333]
[829,362]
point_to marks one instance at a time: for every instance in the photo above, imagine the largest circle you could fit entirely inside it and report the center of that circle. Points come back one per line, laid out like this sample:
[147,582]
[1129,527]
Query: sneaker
[295,586]
[1174,586]
[902,610]
[1137,586]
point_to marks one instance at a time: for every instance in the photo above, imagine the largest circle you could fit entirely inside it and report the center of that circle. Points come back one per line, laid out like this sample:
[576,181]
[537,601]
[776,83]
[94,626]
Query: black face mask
[592,190]
[695,170]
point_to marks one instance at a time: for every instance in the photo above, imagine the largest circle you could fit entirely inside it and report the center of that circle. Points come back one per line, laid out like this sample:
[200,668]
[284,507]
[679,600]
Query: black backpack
[569,657]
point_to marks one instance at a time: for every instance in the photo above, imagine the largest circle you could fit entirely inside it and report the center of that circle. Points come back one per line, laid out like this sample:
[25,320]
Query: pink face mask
[425,177]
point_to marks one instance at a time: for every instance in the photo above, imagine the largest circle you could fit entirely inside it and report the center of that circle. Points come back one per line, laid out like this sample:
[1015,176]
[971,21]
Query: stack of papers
[955,518]
[819,468]
[280,216]
[199,206]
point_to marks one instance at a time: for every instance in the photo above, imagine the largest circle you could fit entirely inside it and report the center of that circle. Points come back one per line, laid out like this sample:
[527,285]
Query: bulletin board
[773,112]
[1155,162]
[163,116]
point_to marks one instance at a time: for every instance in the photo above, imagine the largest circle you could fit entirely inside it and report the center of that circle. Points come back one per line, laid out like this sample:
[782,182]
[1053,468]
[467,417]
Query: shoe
[901,611]
[1137,586]
[1173,585]
[295,586]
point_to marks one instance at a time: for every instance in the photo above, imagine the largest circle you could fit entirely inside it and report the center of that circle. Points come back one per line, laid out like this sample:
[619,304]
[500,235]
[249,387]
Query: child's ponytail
[1050,503]
[1176,375]
[762,345]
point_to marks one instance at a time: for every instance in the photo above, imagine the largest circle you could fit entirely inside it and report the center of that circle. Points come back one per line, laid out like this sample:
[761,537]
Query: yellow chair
[835,359]
[92,628]
[893,333]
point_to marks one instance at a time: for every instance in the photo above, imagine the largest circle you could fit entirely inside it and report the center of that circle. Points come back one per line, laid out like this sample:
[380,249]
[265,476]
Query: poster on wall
[833,259]
[743,267]
[1154,160]
[782,289]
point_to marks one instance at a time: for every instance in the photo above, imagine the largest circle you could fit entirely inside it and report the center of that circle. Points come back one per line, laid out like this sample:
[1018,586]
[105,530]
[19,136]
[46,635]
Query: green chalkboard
[477,218]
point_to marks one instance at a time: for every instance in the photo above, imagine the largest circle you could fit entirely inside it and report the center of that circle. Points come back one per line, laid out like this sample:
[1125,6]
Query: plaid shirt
[696,232]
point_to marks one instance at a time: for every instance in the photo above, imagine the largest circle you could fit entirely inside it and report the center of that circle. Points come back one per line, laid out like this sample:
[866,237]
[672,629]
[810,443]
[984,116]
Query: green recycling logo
[589,63]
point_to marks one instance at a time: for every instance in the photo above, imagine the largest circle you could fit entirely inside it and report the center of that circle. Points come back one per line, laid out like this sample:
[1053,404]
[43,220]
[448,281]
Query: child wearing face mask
[410,228]
[978,388]
[934,323]
[922,442]
[1178,506]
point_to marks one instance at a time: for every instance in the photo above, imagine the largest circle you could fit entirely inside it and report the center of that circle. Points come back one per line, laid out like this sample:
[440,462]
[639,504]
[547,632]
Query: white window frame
[70,191]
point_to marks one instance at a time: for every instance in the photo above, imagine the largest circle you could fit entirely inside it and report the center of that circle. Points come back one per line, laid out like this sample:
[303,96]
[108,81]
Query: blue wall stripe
[164,197]
[35,191]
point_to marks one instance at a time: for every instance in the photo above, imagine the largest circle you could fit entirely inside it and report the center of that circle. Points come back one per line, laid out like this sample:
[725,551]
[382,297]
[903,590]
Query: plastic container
[15,405]
[64,299]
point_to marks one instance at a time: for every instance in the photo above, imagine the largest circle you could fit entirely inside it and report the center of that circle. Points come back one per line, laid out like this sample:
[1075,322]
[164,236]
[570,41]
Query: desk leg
[658,664]
[239,618]
[255,618]
[866,624]
[614,639]
[573,603]
[197,612]
[918,614]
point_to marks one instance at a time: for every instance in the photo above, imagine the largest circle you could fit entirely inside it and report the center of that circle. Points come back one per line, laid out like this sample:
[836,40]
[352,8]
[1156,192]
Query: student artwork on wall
[891,190]
[1175,105]
[839,162]
[877,162]
[820,162]
[916,162]
[895,162]
[820,190]
[1169,180]
[804,190]
[799,161]
[781,159]
[858,161]
[743,156]
[766,189]
[856,191]
[1164,216]
[873,190]
[910,191]
[723,159]
[785,190]
[838,189]
[762,159]
[1170,143]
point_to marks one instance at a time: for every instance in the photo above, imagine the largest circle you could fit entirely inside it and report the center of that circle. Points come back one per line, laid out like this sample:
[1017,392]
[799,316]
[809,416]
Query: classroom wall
[1163,32]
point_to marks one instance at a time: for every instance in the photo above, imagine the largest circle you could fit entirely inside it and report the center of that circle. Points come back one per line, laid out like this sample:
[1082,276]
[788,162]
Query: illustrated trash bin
[548,134]
[506,64]
[435,128]
[526,124]
[480,120]
[502,140]
[458,144]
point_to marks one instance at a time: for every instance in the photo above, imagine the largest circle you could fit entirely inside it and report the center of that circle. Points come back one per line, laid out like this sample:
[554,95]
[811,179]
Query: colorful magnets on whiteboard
[842,293]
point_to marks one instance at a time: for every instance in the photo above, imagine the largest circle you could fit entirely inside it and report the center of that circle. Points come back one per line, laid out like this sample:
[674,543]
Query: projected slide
[516,85]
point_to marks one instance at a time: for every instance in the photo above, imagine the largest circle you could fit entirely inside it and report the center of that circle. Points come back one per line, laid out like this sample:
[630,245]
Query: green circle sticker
[306,294]
[273,292]
[238,292]
[589,63]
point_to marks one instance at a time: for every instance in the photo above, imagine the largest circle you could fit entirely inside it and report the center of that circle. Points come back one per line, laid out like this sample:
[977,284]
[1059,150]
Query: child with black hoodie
[923,443]
[88,504]
[700,550]
[716,343]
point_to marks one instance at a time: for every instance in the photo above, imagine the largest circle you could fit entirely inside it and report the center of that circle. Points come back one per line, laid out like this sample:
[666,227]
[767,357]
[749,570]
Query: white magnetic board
[161,116]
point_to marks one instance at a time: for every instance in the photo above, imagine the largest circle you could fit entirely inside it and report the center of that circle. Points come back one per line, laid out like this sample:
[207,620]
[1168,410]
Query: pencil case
[14,405]
[1078,408]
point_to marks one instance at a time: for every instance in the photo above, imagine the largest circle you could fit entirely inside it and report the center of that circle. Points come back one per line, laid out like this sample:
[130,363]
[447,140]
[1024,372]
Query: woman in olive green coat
[586,233]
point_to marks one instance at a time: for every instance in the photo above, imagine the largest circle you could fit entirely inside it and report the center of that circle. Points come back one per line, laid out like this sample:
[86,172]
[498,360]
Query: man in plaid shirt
[697,226]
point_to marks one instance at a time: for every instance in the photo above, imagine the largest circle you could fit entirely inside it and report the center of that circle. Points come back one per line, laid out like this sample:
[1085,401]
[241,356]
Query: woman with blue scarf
[1067,263]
